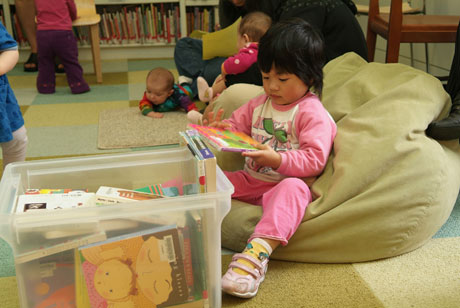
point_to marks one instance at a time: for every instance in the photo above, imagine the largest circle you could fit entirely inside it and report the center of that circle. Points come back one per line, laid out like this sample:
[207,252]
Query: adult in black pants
[449,128]
[334,18]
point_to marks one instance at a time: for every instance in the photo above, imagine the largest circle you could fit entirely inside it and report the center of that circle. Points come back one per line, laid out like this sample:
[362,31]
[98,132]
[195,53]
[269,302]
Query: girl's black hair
[293,46]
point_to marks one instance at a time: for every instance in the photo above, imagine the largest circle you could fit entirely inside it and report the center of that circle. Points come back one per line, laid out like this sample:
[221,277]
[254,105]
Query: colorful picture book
[34,191]
[113,195]
[225,140]
[158,189]
[54,201]
[141,269]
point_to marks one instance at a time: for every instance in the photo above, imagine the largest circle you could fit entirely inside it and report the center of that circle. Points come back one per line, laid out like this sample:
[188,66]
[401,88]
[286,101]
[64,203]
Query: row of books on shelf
[137,24]
[202,18]
[162,265]
[140,24]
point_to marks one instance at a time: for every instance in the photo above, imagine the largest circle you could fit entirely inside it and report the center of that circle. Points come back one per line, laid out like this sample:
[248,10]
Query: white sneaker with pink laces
[245,286]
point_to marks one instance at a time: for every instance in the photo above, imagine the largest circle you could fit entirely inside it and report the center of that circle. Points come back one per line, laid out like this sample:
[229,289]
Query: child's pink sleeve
[72,9]
[240,62]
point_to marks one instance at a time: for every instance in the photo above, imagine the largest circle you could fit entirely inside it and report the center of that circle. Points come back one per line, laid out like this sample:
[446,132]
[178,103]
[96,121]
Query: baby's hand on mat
[265,156]
[155,115]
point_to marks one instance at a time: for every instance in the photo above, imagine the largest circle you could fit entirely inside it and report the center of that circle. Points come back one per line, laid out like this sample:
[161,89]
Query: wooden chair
[398,28]
[407,8]
[87,16]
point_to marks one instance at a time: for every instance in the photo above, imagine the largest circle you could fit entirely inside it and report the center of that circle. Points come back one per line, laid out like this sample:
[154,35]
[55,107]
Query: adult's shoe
[447,128]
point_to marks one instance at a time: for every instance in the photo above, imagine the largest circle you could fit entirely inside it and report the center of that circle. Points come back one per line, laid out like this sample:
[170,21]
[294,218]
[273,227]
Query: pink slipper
[204,90]
[194,117]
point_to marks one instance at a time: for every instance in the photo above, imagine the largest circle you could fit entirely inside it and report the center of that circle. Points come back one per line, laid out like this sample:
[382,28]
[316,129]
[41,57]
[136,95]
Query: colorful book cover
[113,195]
[225,140]
[142,269]
[54,201]
[158,189]
[36,191]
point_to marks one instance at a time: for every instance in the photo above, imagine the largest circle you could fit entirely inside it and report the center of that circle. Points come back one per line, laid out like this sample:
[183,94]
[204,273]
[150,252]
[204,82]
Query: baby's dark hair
[254,25]
[293,46]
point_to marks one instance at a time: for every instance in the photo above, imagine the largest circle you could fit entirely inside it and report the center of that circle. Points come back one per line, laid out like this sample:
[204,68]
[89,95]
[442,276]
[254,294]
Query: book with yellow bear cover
[142,269]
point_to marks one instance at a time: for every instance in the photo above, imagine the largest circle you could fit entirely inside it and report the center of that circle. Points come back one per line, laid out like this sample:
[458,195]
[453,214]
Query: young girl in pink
[296,135]
[55,38]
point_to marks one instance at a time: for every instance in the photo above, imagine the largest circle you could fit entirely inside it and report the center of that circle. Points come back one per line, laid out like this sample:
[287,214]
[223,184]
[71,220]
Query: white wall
[440,55]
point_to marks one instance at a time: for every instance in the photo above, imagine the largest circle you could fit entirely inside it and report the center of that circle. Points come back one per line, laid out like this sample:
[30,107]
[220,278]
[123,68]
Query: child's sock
[184,79]
[195,117]
[257,248]
[204,91]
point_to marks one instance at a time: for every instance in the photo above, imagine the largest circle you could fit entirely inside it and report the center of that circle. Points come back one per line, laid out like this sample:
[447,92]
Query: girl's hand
[215,121]
[265,156]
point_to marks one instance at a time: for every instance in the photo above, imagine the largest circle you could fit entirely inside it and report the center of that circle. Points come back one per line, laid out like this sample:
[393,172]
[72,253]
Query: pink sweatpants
[283,203]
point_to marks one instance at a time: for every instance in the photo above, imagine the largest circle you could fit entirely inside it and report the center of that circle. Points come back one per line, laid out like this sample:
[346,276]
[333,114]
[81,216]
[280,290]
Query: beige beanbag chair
[387,187]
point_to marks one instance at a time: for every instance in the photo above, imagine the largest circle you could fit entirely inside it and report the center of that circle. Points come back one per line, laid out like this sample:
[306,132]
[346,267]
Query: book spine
[200,145]
[81,291]
[199,256]
[188,264]
[200,162]
[43,252]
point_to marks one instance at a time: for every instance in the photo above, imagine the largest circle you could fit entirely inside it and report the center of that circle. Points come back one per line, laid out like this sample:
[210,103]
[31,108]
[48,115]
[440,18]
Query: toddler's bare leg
[15,150]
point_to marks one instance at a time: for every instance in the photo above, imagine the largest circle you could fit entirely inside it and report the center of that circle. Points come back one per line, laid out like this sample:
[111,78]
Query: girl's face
[283,88]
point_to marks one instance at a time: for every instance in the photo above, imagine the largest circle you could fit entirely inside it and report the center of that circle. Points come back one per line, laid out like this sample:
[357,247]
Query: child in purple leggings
[55,38]
[296,135]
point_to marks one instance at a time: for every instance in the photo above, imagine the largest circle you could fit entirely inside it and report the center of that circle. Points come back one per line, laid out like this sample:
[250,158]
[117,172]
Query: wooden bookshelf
[143,43]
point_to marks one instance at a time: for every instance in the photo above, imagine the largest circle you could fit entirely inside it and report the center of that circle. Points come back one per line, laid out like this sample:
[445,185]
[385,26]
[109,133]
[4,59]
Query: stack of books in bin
[160,264]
